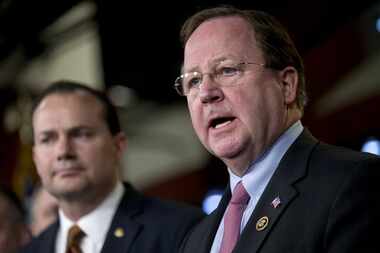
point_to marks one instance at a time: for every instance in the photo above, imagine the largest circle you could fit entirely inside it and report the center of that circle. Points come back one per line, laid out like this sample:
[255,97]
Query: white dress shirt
[257,177]
[94,224]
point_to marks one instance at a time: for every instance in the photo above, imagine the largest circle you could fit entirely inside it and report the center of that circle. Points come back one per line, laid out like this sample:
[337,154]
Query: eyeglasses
[225,74]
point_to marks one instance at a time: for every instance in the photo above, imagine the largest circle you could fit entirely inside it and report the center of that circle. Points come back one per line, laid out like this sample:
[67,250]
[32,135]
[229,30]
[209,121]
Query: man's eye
[194,82]
[45,140]
[83,134]
[228,71]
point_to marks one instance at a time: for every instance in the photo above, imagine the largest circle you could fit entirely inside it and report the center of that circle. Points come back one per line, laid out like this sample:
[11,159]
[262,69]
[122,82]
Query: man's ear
[289,81]
[121,143]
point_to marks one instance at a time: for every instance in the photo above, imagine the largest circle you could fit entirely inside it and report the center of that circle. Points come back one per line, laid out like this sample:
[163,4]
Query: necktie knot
[240,196]
[74,238]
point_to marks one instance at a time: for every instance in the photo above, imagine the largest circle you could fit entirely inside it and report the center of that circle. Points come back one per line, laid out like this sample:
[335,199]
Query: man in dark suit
[77,147]
[244,82]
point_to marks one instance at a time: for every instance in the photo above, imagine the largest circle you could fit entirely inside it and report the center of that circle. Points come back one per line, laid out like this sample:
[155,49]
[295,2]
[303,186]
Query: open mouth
[220,122]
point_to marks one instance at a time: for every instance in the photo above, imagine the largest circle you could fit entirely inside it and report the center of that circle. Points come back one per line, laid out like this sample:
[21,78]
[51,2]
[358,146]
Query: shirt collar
[260,171]
[96,223]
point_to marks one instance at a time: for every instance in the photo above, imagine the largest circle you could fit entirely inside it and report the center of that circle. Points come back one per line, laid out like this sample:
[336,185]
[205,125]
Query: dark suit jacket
[149,225]
[328,204]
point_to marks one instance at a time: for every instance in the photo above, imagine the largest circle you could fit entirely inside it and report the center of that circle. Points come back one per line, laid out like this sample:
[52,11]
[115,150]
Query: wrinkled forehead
[219,39]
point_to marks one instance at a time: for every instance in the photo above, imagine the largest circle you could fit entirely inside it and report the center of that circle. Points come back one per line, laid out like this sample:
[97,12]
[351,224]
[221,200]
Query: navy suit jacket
[328,204]
[149,225]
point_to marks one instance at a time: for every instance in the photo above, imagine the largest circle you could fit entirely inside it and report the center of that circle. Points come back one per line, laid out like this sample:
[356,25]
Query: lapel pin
[119,232]
[276,202]
[262,223]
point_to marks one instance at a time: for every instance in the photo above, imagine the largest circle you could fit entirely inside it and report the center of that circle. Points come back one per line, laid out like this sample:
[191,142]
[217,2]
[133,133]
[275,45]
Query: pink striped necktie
[232,219]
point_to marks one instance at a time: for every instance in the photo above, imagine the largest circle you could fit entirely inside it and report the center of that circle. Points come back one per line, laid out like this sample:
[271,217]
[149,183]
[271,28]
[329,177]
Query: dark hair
[65,87]
[18,211]
[272,38]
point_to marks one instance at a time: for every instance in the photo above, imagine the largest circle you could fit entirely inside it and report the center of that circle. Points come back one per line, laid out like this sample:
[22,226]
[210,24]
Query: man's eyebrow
[80,127]
[192,69]
[211,63]
[46,132]
[67,130]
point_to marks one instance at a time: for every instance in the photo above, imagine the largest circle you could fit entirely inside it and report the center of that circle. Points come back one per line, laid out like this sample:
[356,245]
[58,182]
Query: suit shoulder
[167,220]
[338,168]
[343,157]
[157,211]
[43,241]
[171,209]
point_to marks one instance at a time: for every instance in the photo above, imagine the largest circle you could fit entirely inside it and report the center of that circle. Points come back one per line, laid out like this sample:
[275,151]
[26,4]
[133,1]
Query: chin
[72,194]
[70,191]
[228,150]
[227,153]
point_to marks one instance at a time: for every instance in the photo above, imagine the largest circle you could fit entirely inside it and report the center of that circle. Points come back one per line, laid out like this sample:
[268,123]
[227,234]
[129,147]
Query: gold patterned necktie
[73,239]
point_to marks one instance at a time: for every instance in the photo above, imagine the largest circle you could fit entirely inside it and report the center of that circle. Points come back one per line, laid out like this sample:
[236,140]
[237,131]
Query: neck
[75,208]
[75,211]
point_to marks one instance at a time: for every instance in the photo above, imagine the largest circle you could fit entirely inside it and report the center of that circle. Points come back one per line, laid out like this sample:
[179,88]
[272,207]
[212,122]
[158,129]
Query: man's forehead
[64,115]
[74,96]
[219,39]
[69,104]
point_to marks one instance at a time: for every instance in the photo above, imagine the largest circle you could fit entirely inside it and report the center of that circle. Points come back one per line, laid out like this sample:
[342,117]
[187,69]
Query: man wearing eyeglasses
[244,82]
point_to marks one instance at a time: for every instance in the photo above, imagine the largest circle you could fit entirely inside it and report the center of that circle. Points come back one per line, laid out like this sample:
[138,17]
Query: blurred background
[132,50]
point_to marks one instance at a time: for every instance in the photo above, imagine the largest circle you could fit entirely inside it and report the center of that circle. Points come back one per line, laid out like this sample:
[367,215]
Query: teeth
[223,124]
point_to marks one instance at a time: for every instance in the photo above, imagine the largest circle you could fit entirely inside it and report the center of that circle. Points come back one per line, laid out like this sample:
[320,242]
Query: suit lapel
[291,169]
[47,239]
[123,228]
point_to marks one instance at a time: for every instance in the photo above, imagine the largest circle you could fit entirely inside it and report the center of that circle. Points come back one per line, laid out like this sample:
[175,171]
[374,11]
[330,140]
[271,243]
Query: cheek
[100,155]
[196,119]
[265,113]
[251,110]
[193,113]
[41,162]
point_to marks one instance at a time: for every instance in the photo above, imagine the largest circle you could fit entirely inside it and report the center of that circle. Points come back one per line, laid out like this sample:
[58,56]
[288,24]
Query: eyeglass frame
[178,86]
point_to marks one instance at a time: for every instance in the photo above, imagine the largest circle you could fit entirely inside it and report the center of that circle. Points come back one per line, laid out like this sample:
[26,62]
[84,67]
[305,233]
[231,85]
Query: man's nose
[210,91]
[65,149]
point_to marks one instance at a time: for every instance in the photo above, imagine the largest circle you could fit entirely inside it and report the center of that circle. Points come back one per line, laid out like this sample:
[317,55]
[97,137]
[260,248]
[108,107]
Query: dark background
[140,49]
